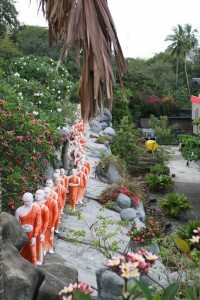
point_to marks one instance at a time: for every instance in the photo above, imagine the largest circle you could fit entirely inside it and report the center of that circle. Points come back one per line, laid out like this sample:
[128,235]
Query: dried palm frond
[89,25]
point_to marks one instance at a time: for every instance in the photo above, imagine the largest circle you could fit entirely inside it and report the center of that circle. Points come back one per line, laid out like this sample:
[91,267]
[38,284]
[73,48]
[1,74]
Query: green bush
[158,183]
[128,144]
[174,204]
[160,169]
[102,139]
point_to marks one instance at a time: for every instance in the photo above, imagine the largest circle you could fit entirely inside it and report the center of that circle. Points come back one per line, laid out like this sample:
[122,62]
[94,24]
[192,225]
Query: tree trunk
[1,250]
[176,72]
[186,74]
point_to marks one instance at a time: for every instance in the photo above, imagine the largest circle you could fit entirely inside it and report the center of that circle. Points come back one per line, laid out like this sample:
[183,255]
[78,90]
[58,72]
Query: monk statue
[82,186]
[54,195]
[53,214]
[62,181]
[64,176]
[29,215]
[61,191]
[39,200]
[74,182]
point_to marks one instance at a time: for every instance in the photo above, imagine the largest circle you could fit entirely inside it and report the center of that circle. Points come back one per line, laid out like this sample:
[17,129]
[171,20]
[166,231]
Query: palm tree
[183,41]
[87,24]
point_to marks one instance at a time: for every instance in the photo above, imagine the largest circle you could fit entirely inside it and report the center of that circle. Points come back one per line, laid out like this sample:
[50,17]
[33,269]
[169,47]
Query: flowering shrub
[131,189]
[27,146]
[132,264]
[145,234]
[153,105]
[35,83]
[69,292]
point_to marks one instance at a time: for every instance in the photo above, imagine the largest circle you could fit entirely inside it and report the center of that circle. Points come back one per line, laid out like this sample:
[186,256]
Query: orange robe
[82,186]
[54,195]
[31,224]
[87,165]
[61,191]
[66,179]
[43,228]
[85,170]
[53,214]
[62,181]
[73,190]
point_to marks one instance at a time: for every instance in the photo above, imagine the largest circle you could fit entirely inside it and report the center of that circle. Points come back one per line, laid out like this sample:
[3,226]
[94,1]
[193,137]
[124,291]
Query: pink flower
[10,169]
[5,144]
[1,137]
[19,138]
[10,132]
[197,230]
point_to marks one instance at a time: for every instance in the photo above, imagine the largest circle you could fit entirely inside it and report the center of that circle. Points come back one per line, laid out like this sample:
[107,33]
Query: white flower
[35,113]
[20,94]
[40,102]
[195,239]
[36,94]
[59,109]
[58,92]
[17,74]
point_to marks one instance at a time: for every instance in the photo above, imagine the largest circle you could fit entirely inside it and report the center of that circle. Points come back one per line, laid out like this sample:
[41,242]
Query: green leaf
[183,246]
[145,289]
[81,296]
[190,293]
[171,291]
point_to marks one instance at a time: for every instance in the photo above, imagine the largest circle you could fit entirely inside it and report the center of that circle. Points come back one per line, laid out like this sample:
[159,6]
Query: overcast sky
[142,26]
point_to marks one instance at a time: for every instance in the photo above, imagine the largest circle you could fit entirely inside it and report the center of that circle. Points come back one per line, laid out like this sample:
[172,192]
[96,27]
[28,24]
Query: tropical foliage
[158,183]
[174,204]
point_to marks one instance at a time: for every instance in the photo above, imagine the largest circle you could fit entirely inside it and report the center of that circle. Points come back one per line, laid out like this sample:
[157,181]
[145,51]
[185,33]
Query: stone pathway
[83,255]
[186,180]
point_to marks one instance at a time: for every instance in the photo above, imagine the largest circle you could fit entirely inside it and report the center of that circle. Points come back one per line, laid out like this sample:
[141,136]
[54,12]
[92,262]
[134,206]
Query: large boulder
[12,231]
[113,174]
[21,279]
[95,126]
[123,201]
[128,214]
[110,133]
[109,284]
[56,277]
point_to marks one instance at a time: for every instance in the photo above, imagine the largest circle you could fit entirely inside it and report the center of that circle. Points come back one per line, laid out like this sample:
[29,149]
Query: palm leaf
[87,24]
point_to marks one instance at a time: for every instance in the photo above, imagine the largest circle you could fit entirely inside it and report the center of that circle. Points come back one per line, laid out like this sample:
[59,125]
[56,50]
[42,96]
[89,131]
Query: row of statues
[40,217]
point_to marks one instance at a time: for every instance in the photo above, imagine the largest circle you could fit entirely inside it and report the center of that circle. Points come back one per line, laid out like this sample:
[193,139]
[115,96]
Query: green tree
[8,50]
[127,144]
[183,41]
[8,18]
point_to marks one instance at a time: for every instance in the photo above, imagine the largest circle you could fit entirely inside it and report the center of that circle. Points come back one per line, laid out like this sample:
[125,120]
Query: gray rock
[138,223]
[109,284]
[94,150]
[110,132]
[104,125]
[113,174]
[21,279]
[95,126]
[123,201]
[12,231]
[107,113]
[140,212]
[56,277]
[128,214]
